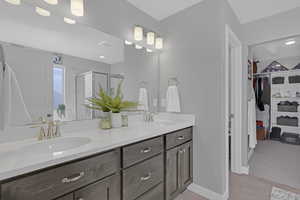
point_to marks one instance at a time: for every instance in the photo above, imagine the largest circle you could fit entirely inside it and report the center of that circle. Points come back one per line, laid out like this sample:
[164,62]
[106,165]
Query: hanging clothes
[266,95]
[259,94]
[251,117]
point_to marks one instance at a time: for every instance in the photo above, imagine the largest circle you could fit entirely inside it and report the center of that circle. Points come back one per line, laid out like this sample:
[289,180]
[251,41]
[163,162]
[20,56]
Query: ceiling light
[77,7]
[138,33]
[159,43]
[291,42]
[150,38]
[69,21]
[102,57]
[149,50]
[42,12]
[14,2]
[128,42]
[138,46]
[52,2]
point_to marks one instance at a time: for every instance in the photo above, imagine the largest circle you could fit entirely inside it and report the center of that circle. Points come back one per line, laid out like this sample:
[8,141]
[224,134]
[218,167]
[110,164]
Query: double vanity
[145,161]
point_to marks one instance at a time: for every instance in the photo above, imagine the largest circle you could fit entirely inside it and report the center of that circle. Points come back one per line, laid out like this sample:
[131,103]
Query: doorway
[233,104]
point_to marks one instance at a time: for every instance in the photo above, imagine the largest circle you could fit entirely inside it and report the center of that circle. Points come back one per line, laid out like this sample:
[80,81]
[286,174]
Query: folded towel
[173,102]
[143,100]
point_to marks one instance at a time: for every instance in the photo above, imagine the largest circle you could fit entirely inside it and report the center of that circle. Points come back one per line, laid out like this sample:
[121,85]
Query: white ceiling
[276,50]
[161,9]
[246,10]
[251,10]
[22,25]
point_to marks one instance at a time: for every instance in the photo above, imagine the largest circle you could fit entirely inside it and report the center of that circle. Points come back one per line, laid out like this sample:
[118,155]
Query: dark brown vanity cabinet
[154,169]
[179,164]
[107,189]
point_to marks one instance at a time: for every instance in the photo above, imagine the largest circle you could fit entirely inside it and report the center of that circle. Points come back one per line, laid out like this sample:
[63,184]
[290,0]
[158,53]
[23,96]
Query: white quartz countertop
[21,157]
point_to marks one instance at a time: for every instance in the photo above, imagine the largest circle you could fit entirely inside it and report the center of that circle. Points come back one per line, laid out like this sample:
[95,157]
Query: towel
[13,109]
[252,121]
[143,100]
[173,102]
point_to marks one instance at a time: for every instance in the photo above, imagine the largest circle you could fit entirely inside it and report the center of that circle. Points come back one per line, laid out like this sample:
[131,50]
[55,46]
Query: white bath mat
[280,194]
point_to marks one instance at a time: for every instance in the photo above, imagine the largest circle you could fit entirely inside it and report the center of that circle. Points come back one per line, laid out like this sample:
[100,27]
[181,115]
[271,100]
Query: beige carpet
[244,187]
[276,162]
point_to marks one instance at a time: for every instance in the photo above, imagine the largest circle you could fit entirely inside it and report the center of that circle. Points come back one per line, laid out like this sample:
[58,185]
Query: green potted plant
[114,105]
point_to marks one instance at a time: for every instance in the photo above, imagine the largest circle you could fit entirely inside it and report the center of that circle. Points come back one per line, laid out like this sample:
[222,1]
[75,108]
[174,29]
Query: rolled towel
[143,100]
[173,101]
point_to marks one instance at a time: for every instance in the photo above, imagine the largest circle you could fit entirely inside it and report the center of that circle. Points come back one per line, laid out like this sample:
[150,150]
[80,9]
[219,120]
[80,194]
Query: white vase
[116,120]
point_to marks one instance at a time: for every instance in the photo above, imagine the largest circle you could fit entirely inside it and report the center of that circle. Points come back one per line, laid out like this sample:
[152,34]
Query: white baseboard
[245,170]
[209,194]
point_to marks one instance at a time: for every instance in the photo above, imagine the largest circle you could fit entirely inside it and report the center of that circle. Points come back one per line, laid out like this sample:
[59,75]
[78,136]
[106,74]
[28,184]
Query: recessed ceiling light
[149,50]
[128,42]
[102,57]
[290,42]
[52,2]
[138,46]
[69,21]
[42,12]
[14,2]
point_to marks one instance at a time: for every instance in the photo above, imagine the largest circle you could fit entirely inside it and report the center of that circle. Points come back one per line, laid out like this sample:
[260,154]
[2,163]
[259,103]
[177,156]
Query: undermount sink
[54,147]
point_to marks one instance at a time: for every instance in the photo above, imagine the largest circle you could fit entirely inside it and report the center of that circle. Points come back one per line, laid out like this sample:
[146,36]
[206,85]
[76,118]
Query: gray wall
[138,66]
[194,53]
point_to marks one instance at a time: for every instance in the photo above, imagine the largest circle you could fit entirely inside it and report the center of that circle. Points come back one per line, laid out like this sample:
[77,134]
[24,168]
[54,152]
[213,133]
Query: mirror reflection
[51,68]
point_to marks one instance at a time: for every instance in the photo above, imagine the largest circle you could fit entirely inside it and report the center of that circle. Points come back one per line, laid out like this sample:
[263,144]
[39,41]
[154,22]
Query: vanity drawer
[178,137]
[141,151]
[55,182]
[141,178]
[157,193]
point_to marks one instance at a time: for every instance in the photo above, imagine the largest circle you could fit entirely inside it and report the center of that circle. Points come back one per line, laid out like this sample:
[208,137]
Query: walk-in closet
[273,110]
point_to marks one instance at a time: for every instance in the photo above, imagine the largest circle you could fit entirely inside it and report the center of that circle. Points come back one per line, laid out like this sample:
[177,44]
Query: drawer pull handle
[145,178]
[181,137]
[146,150]
[72,178]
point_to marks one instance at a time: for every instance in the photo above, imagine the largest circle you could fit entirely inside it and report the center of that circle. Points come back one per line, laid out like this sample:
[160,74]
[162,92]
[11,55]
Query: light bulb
[77,7]
[128,42]
[138,33]
[159,43]
[150,38]
[149,50]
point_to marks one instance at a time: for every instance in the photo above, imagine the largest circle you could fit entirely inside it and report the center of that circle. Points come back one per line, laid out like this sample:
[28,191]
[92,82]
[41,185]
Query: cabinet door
[107,189]
[172,173]
[186,165]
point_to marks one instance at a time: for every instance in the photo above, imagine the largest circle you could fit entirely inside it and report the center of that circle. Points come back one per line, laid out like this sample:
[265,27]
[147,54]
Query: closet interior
[273,109]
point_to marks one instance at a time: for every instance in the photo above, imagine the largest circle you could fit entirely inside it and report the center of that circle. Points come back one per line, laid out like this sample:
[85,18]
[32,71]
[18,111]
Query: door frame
[233,42]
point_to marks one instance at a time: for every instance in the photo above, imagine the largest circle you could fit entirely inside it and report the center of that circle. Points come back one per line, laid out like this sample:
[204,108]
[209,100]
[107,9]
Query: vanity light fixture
[138,46]
[150,38]
[77,7]
[51,2]
[290,42]
[138,33]
[128,42]
[69,21]
[42,12]
[14,2]
[149,50]
[159,43]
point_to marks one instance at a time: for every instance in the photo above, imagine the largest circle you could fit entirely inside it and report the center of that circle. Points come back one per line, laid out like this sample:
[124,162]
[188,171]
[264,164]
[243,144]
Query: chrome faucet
[52,128]
[148,116]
